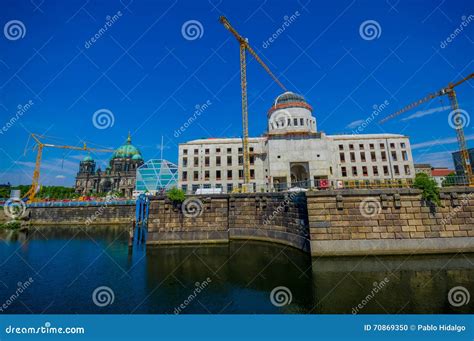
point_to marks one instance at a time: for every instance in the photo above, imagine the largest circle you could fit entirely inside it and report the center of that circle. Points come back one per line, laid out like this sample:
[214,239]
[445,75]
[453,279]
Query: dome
[87,159]
[128,150]
[137,157]
[289,100]
[289,97]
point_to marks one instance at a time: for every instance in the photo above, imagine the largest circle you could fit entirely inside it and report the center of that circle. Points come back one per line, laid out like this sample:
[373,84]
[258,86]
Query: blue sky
[151,76]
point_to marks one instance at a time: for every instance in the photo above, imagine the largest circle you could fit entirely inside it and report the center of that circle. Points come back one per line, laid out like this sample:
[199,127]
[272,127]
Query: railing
[80,203]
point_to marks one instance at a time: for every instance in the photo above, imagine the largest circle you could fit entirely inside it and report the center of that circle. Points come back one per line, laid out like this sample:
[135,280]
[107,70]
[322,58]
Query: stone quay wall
[271,217]
[389,221]
[324,223]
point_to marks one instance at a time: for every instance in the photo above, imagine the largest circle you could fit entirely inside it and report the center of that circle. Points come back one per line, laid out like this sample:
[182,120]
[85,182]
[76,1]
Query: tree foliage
[176,195]
[429,187]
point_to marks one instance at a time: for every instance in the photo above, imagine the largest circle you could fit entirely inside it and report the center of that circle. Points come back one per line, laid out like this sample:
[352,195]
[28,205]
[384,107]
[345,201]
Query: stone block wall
[350,222]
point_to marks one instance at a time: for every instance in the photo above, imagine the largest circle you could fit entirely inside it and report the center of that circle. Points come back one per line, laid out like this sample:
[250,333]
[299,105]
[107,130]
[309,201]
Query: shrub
[429,187]
[176,195]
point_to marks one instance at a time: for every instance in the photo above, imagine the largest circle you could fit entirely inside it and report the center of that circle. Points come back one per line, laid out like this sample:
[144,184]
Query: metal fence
[80,203]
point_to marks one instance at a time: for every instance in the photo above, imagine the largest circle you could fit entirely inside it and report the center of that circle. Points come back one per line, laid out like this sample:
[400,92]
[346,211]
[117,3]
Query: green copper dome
[127,151]
[137,157]
[87,159]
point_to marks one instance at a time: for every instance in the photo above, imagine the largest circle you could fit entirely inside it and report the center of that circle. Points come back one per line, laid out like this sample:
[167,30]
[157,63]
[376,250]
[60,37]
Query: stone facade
[292,153]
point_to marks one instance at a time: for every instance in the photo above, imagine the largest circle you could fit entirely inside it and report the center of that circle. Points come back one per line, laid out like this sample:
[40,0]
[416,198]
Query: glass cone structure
[156,176]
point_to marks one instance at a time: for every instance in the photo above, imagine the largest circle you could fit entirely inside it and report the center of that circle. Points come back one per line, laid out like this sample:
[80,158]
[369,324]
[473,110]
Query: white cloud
[355,124]
[60,176]
[422,113]
[439,142]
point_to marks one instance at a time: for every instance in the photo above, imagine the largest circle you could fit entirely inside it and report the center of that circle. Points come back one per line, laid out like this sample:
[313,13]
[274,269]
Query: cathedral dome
[137,157]
[87,159]
[127,151]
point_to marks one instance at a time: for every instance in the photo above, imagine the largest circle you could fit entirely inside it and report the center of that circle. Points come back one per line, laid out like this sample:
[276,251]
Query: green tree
[176,195]
[430,190]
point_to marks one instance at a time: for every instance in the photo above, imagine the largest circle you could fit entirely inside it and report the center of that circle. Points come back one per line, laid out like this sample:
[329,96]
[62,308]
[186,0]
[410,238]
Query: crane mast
[244,47]
[458,122]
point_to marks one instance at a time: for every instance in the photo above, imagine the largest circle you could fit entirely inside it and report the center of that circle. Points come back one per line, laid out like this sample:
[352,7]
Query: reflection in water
[68,264]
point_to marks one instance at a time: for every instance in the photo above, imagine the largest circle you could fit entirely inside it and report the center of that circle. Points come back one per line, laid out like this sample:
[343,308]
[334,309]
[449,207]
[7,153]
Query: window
[396,170]
[229,161]
[362,156]
[196,176]
[392,145]
[185,152]
[230,188]
[218,150]
[342,157]
[382,146]
[218,174]
[289,122]
[341,147]
[375,170]
[295,121]
[196,161]
[241,150]
[206,175]
[184,176]
[229,175]
[394,156]
[407,170]
[241,174]
[229,150]
[371,146]
[403,145]
[241,160]
[385,170]
[301,122]
[344,171]
[354,171]
[404,155]
[252,160]
[353,157]
[206,151]
[251,149]
[184,188]
[185,162]
[364,171]
[351,147]
[361,146]
[206,161]
[218,161]
[195,188]
[373,157]
[384,156]
[196,151]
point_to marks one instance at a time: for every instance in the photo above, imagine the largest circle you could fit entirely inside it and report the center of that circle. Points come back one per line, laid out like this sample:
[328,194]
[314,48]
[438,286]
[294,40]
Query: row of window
[295,122]
[363,157]
[375,171]
[218,175]
[89,183]
[194,188]
[372,146]
[207,151]
[218,161]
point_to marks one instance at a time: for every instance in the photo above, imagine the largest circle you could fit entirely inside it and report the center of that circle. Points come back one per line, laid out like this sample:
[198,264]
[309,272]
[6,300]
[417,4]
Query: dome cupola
[291,114]
[127,151]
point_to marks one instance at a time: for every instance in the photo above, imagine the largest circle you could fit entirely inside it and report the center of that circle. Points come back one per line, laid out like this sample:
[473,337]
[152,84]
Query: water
[68,264]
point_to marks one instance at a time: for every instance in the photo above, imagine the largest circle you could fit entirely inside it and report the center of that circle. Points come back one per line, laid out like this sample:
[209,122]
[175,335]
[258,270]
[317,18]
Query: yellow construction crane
[244,46]
[30,195]
[458,121]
